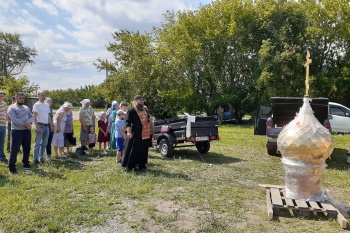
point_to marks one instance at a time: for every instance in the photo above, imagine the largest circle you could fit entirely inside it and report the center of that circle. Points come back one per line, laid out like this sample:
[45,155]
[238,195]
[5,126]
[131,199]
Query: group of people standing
[49,129]
[128,131]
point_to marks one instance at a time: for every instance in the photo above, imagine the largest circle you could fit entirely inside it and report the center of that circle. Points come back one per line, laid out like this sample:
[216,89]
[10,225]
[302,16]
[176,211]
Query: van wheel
[165,148]
[272,152]
[203,147]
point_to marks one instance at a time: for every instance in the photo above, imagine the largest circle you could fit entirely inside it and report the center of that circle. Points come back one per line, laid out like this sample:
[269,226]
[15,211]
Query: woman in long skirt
[69,132]
[59,121]
[111,125]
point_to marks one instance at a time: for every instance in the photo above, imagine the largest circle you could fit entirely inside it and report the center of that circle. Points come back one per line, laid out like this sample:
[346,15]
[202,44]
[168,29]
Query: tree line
[233,51]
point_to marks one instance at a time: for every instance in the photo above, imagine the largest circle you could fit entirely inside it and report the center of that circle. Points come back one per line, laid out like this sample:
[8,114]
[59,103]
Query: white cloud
[63,76]
[18,25]
[95,21]
[46,40]
[29,18]
[5,4]
[115,13]
[48,52]
[76,33]
[49,8]
[63,29]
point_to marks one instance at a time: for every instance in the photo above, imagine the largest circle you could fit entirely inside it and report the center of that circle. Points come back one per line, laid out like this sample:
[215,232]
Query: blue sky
[70,35]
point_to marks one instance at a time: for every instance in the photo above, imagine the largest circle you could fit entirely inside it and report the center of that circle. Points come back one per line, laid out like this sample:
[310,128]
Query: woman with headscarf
[69,140]
[87,120]
[108,113]
[59,122]
[111,125]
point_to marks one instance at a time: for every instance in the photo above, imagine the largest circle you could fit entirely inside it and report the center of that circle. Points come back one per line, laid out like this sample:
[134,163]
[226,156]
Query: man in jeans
[43,125]
[3,122]
[21,125]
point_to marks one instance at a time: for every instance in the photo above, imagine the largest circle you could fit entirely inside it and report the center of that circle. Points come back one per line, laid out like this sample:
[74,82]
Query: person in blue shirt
[21,124]
[120,134]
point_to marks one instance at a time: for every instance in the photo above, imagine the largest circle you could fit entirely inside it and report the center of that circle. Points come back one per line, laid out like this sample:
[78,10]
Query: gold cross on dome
[307,66]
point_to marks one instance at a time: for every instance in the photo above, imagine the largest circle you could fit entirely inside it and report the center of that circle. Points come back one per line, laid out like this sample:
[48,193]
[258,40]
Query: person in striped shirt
[3,122]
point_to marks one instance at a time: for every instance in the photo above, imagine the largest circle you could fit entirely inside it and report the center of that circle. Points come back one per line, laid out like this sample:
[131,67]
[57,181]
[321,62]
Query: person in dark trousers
[9,127]
[138,136]
[21,122]
[3,123]
[48,100]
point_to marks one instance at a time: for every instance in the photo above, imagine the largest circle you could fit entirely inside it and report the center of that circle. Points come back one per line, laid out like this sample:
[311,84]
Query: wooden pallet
[280,206]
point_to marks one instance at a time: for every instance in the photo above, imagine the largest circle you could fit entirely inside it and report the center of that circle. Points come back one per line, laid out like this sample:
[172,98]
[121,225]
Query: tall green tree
[233,51]
[282,53]
[291,27]
[14,55]
[12,85]
[213,53]
[330,49]
[132,71]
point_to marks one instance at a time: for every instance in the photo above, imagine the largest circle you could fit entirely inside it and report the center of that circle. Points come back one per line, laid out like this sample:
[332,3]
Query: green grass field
[215,192]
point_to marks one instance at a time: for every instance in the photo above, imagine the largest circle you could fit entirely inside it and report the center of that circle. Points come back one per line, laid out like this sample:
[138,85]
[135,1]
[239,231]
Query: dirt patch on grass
[185,218]
[164,216]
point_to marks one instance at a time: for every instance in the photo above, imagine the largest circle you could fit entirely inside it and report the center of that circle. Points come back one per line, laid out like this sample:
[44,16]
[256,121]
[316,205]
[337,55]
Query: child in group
[92,140]
[120,134]
[103,135]
[124,107]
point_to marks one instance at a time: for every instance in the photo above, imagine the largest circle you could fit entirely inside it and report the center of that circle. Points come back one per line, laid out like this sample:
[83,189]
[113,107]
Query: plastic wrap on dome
[305,139]
[305,144]
[303,181]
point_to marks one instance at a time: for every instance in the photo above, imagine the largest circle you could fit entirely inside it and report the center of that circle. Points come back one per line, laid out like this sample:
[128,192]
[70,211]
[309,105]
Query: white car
[340,118]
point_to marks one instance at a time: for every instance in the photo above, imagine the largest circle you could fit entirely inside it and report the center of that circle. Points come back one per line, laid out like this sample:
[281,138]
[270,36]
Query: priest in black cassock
[138,136]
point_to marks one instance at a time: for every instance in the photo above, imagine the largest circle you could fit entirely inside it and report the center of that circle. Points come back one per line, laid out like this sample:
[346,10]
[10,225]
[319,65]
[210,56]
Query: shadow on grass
[79,158]
[210,157]
[72,162]
[3,180]
[161,173]
[49,174]
[338,160]
[110,153]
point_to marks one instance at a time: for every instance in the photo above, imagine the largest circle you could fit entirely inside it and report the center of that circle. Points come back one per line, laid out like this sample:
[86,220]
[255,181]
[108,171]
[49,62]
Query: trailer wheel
[165,148]
[203,147]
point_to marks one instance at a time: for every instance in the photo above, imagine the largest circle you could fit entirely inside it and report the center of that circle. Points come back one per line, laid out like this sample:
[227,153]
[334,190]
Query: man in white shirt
[43,125]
